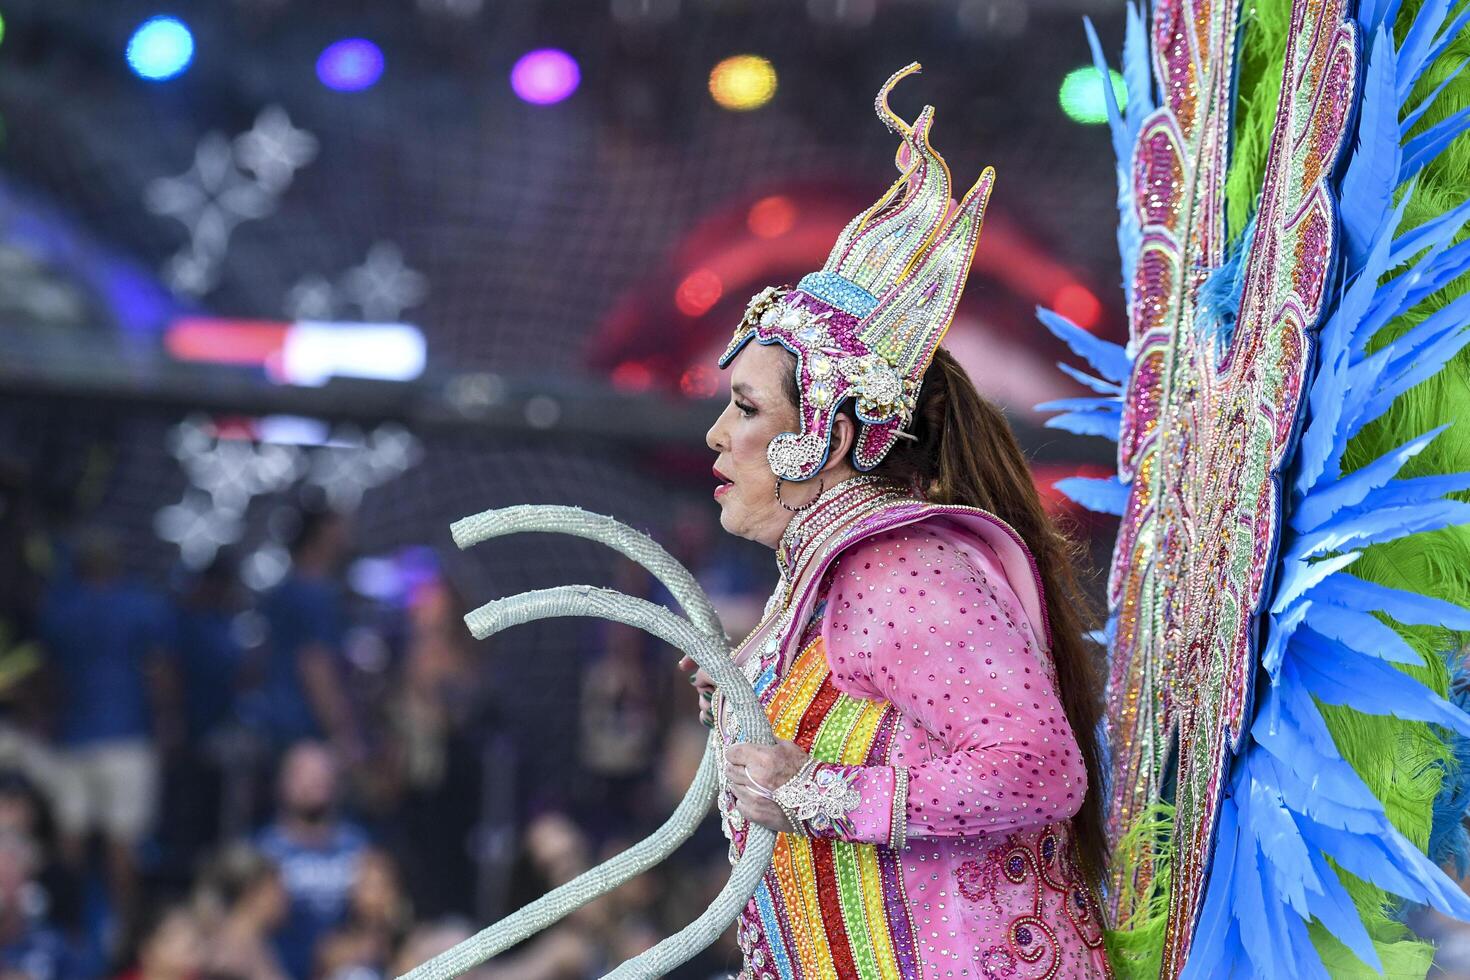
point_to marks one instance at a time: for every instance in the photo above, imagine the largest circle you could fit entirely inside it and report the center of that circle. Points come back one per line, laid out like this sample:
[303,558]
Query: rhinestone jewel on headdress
[866,325]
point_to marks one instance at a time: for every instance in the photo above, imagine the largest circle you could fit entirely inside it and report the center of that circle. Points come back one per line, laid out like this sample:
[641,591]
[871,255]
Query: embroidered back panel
[1209,415]
[853,917]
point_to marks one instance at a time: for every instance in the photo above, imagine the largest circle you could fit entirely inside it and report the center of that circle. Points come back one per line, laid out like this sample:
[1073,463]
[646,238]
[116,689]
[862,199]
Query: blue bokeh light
[160,48]
[350,65]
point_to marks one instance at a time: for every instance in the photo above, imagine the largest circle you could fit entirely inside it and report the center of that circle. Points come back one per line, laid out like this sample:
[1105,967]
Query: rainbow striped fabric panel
[829,908]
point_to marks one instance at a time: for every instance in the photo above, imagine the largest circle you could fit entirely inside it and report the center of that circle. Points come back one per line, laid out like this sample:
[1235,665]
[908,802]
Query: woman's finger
[747,800]
[760,811]
[747,783]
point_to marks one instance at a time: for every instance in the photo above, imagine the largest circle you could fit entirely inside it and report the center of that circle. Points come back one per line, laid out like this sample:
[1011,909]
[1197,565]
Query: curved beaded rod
[682,585]
[582,600]
[639,547]
[708,648]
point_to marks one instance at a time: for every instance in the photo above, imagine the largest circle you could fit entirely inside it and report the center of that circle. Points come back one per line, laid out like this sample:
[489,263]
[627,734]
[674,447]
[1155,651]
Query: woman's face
[759,410]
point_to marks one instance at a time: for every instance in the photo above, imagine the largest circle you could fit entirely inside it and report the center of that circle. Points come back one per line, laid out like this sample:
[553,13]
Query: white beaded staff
[701,636]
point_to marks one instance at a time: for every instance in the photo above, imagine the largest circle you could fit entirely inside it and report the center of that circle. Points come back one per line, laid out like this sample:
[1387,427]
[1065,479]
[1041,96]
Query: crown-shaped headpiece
[867,325]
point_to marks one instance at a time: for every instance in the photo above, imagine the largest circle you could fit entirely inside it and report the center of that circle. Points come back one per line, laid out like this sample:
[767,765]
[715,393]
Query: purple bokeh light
[545,76]
[350,65]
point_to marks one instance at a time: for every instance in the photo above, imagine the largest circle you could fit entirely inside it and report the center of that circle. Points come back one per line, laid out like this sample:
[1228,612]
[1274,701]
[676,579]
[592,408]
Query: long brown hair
[964,452]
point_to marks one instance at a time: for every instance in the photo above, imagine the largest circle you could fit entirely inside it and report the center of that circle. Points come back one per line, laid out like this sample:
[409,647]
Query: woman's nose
[712,438]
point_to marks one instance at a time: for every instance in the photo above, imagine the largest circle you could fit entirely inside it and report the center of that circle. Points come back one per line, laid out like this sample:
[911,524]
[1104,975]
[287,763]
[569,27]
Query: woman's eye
[745,409]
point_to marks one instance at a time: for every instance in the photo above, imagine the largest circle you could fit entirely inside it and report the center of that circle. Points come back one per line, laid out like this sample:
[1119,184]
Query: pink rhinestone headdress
[868,323]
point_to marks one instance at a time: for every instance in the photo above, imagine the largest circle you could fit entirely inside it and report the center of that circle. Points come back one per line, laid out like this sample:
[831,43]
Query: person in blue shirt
[107,646]
[210,655]
[301,683]
[210,659]
[318,853]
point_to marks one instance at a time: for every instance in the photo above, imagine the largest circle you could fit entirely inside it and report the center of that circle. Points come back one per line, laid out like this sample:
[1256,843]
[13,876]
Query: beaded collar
[835,508]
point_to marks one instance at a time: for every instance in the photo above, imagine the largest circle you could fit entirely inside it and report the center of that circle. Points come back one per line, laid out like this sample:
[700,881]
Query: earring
[805,506]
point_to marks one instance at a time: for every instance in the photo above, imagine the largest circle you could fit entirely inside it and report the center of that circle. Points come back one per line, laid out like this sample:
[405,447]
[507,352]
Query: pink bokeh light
[545,76]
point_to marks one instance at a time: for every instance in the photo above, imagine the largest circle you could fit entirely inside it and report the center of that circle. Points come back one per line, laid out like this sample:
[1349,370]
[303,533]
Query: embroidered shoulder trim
[820,797]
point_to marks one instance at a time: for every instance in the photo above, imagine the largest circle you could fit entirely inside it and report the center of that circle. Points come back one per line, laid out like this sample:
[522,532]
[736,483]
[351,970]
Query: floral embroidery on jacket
[1047,864]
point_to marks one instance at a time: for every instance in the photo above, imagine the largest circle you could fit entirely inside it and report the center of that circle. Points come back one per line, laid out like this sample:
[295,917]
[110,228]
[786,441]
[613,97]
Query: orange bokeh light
[699,291]
[1076,302]
[771,217]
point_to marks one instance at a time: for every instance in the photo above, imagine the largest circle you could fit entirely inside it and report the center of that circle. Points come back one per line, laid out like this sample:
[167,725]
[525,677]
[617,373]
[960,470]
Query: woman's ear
[844,437]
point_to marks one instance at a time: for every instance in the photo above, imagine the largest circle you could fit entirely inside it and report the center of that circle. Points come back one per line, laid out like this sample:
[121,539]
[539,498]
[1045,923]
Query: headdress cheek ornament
[867,325]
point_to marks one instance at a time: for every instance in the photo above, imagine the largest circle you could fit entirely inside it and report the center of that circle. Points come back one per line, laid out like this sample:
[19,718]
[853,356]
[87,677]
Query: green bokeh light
[1082,96]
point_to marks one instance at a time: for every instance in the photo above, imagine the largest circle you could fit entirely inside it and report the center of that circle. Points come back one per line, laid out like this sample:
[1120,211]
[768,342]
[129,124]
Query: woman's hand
[754,772]
[704,686]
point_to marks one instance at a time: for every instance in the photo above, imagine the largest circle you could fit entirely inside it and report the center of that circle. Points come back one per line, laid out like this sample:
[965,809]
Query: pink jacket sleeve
[935,629]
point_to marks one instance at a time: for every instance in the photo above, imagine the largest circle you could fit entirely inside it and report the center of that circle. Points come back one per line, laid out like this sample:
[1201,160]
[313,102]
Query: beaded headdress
[867,325]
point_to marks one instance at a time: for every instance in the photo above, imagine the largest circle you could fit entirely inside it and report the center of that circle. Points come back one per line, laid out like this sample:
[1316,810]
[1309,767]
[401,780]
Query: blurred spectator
[556,850]
[619,715]
[302,676]
[107,644]
[29,946]
[172,950]
[318,853]
[209,658]
[23,812]
[245,902]
[378,918]
[209,653]
[24,557]
[20,807]
[434,721]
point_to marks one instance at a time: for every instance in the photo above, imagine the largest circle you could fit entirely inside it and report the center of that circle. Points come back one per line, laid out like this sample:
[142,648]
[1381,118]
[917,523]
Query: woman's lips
[725,482]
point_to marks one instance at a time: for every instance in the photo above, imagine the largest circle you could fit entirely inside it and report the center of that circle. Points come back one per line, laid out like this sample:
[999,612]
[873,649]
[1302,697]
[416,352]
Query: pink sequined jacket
[914,668]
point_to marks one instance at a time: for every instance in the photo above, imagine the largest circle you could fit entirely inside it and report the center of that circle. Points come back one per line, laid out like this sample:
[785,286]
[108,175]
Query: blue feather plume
[1448,840]
[1218,299]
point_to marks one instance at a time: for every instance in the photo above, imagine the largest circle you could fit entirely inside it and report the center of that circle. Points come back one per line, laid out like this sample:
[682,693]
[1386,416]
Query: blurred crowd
[198,780]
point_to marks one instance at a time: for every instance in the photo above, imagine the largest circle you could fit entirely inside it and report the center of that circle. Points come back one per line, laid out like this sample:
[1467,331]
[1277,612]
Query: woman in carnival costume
[922,659]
